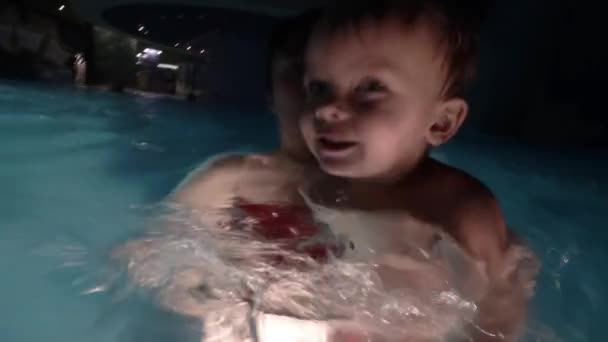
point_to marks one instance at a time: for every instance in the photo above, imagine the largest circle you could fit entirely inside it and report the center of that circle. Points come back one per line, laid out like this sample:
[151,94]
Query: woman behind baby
[263,187]
[270,177]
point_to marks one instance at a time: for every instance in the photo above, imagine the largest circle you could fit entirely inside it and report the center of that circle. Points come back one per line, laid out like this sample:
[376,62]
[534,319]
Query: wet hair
[456,24]
[289,40]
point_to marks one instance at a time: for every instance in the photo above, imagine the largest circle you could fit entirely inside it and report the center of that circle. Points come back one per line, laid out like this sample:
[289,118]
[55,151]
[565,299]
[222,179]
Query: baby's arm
[210,188]
[483,233]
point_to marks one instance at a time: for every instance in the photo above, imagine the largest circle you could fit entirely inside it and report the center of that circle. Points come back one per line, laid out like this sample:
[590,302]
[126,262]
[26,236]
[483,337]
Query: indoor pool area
[78,167]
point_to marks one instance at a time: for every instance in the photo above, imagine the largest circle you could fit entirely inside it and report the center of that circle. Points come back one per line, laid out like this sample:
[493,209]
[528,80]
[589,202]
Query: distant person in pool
[384,83]
[80,70]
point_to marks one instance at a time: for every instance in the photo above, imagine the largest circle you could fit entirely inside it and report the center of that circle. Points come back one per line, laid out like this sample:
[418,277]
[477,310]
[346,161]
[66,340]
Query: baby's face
[371,92]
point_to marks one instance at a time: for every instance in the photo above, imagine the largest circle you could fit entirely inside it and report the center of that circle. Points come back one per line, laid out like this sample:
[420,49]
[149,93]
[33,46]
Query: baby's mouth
[335,145]
[335,148]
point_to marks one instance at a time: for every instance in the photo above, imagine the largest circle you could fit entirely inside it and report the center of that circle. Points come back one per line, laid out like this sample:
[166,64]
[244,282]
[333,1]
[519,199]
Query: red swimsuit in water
[288,222]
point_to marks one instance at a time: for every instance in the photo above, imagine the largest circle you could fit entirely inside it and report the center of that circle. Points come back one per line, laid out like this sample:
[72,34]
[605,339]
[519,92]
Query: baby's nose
[331,114]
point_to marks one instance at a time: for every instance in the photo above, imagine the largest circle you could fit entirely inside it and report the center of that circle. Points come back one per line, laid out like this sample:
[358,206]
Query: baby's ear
[447,120]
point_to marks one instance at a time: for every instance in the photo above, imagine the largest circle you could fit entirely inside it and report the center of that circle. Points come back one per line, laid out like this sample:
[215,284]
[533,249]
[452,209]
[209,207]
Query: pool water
[76,167]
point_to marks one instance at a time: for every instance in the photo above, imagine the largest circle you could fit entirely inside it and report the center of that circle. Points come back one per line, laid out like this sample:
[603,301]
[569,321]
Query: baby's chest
[406,251]
[372,235]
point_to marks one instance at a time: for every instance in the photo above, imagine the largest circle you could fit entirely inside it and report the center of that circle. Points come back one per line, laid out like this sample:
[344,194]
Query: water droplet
[145,146]
[341,196]
[142,145]
[97,289]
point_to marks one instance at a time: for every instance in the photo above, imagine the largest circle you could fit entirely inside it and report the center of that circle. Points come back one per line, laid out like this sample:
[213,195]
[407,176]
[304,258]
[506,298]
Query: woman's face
[287,90]
[287,101]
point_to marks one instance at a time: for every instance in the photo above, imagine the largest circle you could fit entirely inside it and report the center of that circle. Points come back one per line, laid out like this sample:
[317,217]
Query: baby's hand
[353,331]
[350,331]
[348,336]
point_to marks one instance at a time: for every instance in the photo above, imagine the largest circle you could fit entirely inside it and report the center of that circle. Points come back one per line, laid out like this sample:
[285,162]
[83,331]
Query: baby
[384,83]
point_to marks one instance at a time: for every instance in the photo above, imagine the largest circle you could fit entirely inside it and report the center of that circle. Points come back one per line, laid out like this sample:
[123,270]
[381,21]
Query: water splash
[227,276]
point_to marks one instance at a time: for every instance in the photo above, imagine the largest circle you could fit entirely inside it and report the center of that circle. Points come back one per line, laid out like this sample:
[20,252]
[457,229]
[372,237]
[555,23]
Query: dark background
[541,77]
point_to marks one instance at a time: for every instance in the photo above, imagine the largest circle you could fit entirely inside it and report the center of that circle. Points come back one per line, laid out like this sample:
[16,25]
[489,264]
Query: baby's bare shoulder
[457,181]
[477,220]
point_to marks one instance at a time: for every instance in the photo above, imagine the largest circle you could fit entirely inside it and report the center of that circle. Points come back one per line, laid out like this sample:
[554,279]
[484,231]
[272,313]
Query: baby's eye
[368,95]
[370,87]
[316,88]
[318,92]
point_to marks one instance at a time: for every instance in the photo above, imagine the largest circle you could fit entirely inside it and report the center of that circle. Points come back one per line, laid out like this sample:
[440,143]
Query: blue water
[76,166]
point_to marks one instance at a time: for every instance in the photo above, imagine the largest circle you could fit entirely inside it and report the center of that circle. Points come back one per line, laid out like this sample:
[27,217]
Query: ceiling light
[167,66]
[153,51]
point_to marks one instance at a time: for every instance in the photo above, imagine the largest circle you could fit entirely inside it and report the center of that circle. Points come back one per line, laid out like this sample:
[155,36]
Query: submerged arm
[198,197]
[503,308]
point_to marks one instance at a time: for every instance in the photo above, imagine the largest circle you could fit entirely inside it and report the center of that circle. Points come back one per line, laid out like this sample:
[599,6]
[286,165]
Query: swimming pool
[77,166]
